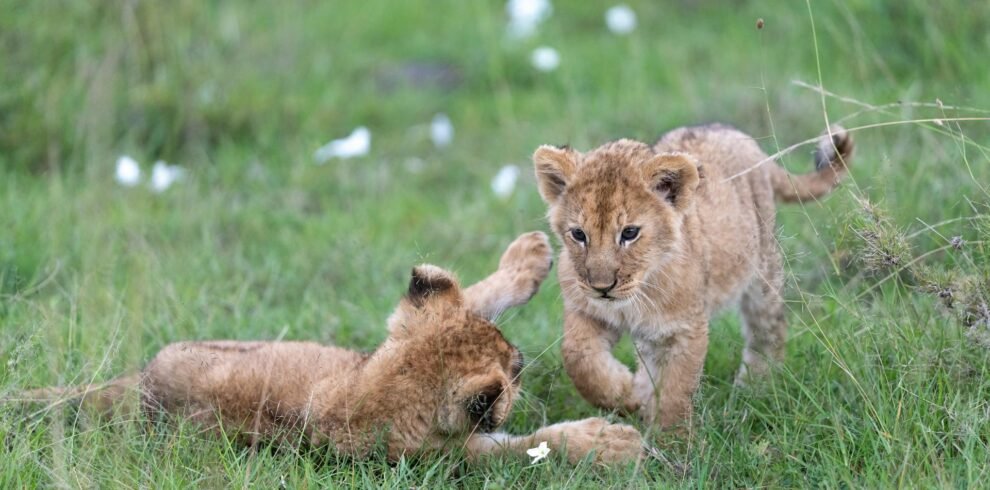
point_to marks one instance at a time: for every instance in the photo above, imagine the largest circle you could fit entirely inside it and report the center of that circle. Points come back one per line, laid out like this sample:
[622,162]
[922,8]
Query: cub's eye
[578,235]
[629,233]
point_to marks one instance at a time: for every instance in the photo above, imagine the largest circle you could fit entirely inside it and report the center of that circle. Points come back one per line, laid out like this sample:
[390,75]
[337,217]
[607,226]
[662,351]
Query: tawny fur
[704,241]
[444,378]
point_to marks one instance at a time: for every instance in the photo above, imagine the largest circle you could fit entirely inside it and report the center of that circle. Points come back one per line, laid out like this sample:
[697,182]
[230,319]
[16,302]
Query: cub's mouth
[617,292]
[611,294]
[610,299]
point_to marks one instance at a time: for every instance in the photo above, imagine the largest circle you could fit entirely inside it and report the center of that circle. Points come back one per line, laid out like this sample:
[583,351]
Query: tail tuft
[832,159]
[834,151]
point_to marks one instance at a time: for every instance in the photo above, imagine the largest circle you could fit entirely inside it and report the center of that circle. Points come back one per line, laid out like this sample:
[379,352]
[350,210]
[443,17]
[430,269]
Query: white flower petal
[539,452]
[441,130]
[164,175]
[545,58]
[529,10]
[505,181]
[358,143]
[620,19]
[526,15]
[128,172]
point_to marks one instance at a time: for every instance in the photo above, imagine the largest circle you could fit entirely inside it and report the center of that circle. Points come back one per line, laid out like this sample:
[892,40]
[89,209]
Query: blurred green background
[885,384]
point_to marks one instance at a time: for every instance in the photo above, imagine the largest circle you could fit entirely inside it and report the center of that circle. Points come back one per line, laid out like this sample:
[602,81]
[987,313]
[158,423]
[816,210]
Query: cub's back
[194,377]
[722,150]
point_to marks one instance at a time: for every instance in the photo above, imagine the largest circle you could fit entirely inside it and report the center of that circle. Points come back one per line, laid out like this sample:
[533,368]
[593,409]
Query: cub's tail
[832,159]
[104,399]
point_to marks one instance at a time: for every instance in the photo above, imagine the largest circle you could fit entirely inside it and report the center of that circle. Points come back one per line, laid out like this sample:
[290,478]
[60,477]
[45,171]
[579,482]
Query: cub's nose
[603,290]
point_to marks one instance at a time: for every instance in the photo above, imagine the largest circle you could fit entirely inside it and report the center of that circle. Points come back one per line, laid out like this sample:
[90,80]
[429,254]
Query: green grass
[882,386]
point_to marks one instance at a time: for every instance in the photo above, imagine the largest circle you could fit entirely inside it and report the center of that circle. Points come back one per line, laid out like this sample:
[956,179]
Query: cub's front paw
[609,389]
[610,443]
[527,261]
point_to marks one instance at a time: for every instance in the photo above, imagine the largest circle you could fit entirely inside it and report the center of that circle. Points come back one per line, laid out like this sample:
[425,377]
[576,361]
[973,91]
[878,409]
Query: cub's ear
[554,167]
[673,177]
[428,282]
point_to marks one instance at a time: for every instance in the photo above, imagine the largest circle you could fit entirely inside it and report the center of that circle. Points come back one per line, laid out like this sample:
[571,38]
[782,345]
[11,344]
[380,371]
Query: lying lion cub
[445,377]
[656,240]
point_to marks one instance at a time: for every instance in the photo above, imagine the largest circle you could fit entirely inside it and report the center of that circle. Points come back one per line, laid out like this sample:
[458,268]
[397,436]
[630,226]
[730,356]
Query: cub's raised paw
[611,443]
[527,262]
[521,270]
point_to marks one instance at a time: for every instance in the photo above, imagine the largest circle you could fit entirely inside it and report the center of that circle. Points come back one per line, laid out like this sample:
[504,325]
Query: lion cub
[445,377]
[656,240]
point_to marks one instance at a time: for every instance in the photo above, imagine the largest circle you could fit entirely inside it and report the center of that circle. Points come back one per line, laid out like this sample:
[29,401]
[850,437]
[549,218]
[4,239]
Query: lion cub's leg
[598,376]
[610,443]
[669,374]
[523,266]
[764,320]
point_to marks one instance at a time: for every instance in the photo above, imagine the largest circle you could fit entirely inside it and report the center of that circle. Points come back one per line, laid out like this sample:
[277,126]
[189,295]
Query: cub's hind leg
[764,318]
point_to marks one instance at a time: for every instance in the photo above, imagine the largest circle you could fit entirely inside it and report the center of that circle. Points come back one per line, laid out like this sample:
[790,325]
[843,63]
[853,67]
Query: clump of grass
[960,287]
[963,295]
[883,246]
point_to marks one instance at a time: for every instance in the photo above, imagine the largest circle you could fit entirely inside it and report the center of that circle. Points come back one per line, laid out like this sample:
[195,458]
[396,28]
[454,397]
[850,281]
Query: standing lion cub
[655,241]
[444,378]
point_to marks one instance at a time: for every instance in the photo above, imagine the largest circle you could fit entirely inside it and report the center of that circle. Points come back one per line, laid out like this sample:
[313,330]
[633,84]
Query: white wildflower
[526,15]
[545,58]
[539,452]
[441,130]
[620,19]
[505,181]
[164,175]
[128,171]
[358,143]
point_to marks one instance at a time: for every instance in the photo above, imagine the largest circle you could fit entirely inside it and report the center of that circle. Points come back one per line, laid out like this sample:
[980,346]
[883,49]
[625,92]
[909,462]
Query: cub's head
[618,211]
[454,354]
